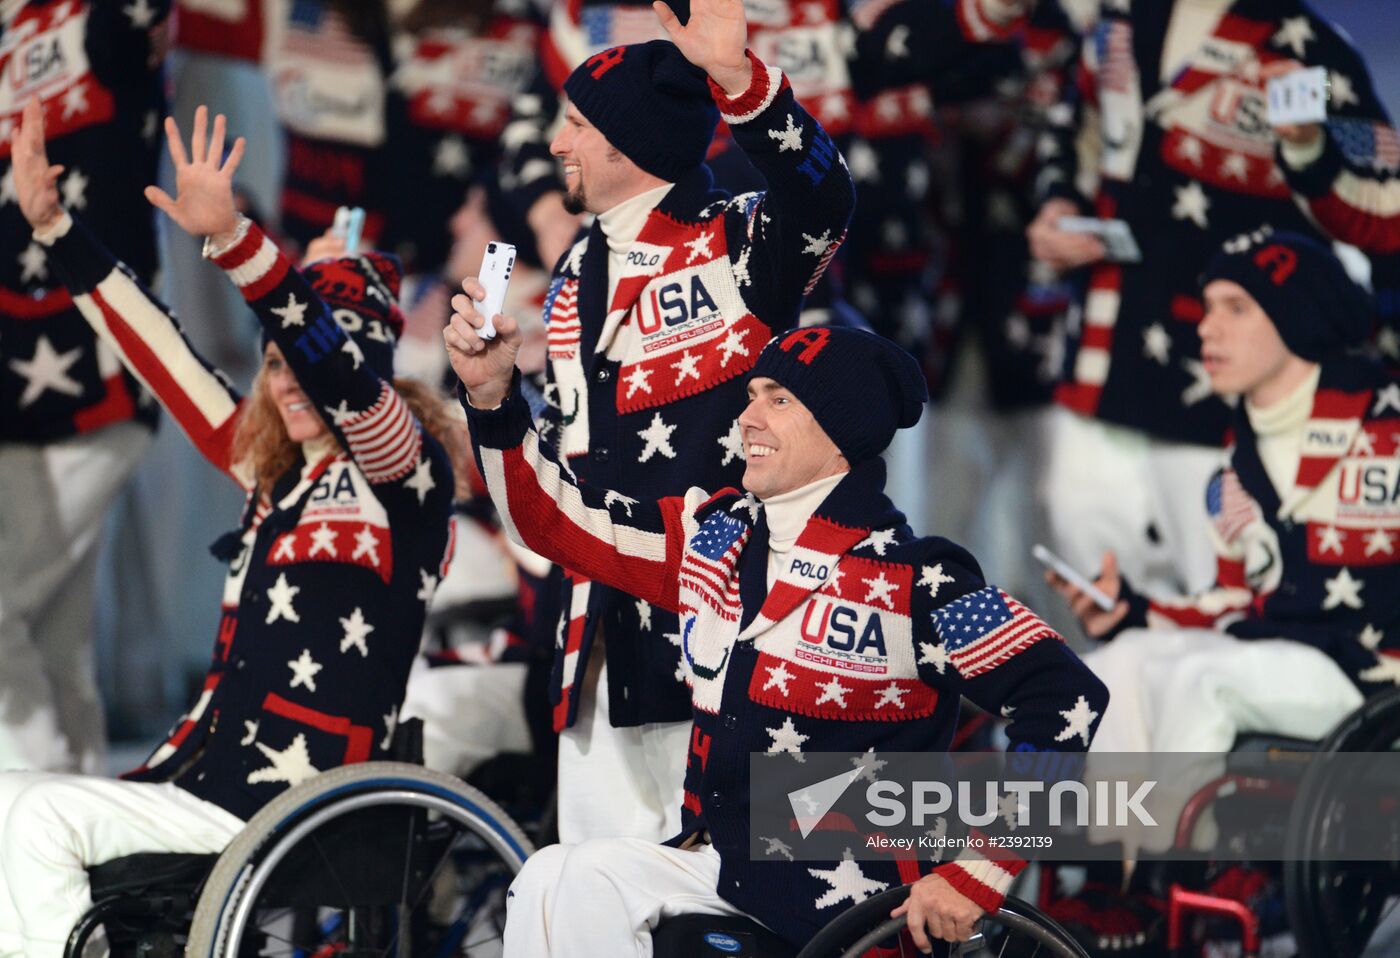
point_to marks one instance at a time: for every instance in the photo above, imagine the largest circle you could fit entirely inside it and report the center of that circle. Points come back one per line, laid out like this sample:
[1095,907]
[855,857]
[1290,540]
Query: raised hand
[485,366]
[713,39]
[36,182]
[203,205]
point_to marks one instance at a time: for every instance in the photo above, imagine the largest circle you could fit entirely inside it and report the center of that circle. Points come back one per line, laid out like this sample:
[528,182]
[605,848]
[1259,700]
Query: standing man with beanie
[813,538]
[654,319]
[1304,618]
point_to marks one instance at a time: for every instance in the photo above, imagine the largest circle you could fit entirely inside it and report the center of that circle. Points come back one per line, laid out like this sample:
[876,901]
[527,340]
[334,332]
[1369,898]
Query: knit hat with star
[1315,306]
[859,386]
[650,102]
[362,293]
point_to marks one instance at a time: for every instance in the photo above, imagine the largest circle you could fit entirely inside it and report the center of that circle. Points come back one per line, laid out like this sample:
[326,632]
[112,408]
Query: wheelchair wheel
[1334,907]
[379,858]
[1017,930]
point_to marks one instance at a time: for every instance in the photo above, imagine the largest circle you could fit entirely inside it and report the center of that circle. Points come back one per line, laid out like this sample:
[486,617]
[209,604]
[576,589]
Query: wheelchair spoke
[330,869]
[443,859]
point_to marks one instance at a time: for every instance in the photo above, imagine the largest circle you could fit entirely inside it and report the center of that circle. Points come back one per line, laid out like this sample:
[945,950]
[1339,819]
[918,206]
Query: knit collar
[856,505]
[1289,413]
[788,513]
[622,223]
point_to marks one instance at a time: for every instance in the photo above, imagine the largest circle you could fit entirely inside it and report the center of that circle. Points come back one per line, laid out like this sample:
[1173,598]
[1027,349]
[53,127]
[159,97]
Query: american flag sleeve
[600,534]
[1351,186]
[1014,665]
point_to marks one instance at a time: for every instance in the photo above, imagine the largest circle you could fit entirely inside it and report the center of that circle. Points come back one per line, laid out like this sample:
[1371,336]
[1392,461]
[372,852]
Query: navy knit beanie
[858,385]
[650,102]
[1315,306]
[362,293]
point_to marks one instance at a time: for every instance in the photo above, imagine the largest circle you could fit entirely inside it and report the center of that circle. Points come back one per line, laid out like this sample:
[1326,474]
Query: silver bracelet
[212,250]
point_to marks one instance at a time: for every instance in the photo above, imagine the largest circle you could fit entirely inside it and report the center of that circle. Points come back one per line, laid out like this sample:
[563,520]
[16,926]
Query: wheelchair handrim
[466,812]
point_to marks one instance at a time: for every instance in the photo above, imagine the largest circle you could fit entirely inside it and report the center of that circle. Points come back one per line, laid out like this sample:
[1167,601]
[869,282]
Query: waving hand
[203,205]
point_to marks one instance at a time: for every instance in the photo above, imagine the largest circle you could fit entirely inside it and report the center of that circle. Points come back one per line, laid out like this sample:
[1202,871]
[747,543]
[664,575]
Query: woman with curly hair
[342,540]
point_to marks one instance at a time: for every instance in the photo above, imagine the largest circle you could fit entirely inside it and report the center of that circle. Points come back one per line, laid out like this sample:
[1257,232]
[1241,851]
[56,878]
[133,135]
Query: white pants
[470,713]
[53,500]
[1195,691]
[1110,487]
[605,896]
[619,782]
[52,826]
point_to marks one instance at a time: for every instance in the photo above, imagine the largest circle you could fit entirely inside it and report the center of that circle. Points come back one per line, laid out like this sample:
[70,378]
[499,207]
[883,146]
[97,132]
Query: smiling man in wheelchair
[1305,617]
[814,531]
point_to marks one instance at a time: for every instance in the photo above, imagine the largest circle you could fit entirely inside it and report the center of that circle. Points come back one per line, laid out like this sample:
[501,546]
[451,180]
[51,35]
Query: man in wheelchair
[744,570]
[1304,620]
[1305,617]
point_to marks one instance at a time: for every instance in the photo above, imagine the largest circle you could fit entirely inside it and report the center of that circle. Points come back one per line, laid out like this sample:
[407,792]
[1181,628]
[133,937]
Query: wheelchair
[379,858]
[1332,908]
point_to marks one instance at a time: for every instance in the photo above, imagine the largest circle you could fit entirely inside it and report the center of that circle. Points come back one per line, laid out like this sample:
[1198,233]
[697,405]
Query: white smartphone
[1072,575]
[496,267]
[1298,97]
[349,223]
[1120,246]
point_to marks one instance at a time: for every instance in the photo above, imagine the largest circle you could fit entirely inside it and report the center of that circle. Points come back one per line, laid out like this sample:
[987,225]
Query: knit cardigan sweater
[324,601]
[1316,563]
[644,391]
[782,668]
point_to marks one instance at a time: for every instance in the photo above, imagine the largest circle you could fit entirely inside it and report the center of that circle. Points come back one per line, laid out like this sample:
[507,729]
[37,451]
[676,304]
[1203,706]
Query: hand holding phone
[1073,576]
[348,225]
[496,267]
[1298,97]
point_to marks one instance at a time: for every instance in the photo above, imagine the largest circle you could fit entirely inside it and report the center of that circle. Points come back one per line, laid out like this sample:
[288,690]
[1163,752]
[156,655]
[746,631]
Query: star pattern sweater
[89,63]
[644,390]
[324,603]
[1315,562]
[861,643]
[1190,161]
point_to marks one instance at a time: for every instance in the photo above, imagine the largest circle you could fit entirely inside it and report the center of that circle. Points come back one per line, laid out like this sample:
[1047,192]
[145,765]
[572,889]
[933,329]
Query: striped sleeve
[371,420]
[981,879]
[149,341]
[597,533]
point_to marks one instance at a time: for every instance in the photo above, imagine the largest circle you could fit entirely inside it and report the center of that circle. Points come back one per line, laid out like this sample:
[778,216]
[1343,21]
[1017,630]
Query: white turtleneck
[621,224]
[787,516]
[1192,21]
[1278,431]
[314,450]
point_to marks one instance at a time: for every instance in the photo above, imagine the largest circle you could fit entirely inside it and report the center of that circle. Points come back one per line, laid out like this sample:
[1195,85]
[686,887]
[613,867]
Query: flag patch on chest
[709,566]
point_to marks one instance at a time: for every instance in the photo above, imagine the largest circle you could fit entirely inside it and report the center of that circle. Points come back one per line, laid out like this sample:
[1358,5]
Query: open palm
[713,38]
[203,205]
[36,180]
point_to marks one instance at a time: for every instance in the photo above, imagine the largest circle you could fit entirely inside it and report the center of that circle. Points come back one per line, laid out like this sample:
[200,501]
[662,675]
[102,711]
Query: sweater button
[603,375]
[600,454]
[716,799]
[730,722]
